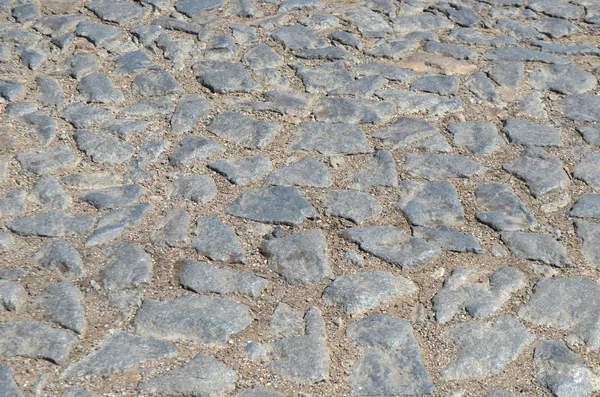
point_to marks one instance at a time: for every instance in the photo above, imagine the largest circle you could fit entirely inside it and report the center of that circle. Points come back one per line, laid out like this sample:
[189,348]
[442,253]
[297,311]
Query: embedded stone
[193,148]
[128,266]
[243,170]
[298,37]
[304,172]
[12,295]
[197,188]
[355,206]
[448,238]
[382,172]
[156,84]
[430,204]
[34,339]
[60,256]
[103,148]
[173,229]
[97,87]
[353,111]
[62,304]
[330,139]
[217,241]
[52,224]
[502,209]
[527,133]
[114,197]
[480,137]
[587,206]
[243,130]
[114,224]
[542,172]
[404,132]
[47,160]
[225,77]
[565,79]
[440,167]
[540,247]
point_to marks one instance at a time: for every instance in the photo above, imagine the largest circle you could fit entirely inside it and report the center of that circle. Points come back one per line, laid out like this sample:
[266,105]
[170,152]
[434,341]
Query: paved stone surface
[238,176]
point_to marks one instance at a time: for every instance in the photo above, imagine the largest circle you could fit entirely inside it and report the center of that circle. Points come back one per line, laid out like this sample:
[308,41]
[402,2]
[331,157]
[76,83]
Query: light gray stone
[156,84]
[355,206]
[404,132]
[173,229]
[381,172]
[502,209]
[52,224]
[448,238]
[225,77]
[587,206]
[298,37]
[480,137]
[7,383]
[103,148]
[193,148]
[13,204]
[12,295]
[540,247]
[60,256]
[47,160]
[34,339]
[304,172]
[527,133]
[330,139]
[114,197]
[589,233]
[353,111]
[441,167]
[242,171]
[62,304]
[285,323]
[430,204]
[588,170]
[217,241]
[114,224]
[128,266]
[243,130]
[197,188]
[542,172]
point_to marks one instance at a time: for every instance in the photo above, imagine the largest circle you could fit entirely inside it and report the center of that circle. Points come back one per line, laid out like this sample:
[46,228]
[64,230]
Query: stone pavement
[262,198]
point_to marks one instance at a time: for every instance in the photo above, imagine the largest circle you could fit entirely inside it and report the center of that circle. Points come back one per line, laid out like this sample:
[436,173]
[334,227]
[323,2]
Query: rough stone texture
[355,206]
[353,111]
[60,256]
[225,77]
[173,230]
[62,304]
[448,238]
[217,241]
[198,188]
[480,137]
[502,209]
[381,172]
[526,133]
[47,160]
[589,233]
[539,247]
[52,224]
[128,266]
[244,170]
[193,148]
[588,170]
[304,172]
[7,383]
[103,148]
[542,172]
[430,204]
[330,139]
[36,340]
[440,167]
[114,224]
[12,295]
[188,112]
[587,206]
[243,130]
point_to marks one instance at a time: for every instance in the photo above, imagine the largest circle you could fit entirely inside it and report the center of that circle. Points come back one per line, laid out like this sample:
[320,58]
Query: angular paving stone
[301,259]
[391,363]
[421,22]
[387,71]
[203,376]
[368,22]
[173,229]
[217,241]
[304,172]
[517,29]
[7,383]
[298,37]
[484,349]
[502,209]
[430,204]
[201,277]
[331,53]
[567,49]
[480,137]
[465,289]
[452,50]
[436,84]
[580,107]
[286,103]
[353,111]
[561,371]
[588,170]
[354,206]
[555,27]
[589,233]
[11,90]
[35,339]
[440,167]
[539,247]
[303,359]
[52,224]
[117,11]
[381,172]
[526,133]
[285,323]
[84,181]
[358,293]
[324,78]
[565,79]
[330,139]
[243,130]
[97,87]
[409,102]
[47,160]
[48,191]
[448,238]
[393,245]
[483,89]
[83,116]
[97,33]
[507,74]
[103,148]
[392,49]
[405,131]
[193,148]
[220,48]
[554,301]
[587,206]
[134,62]
[462,15]
[156,84]
[197,188]
[118,353]
[60,256]
[7,241]
[187,113]
[201,319]
[114,197]
[262,56]
[542,172]
[532,106]
[225,77]
[128,266]
[13,204]
[556,8]
[275,205]
[125,129]
[242,171]
[114,224]
[191,8]
[361,87]
[12,295]
[150,107]
[62,304]
[523,55]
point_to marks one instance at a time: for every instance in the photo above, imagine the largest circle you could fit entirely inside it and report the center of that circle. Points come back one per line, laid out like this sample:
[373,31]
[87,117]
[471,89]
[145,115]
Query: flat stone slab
[8,384]
[330,139]
[527,133]
[197,188]
[391,360]
[60,256]
[588,170]
[448,238]
[358,293]
[114,197]
[393,245]
[156,84]
[285,322]
[128,266]
[404,132]
[52,224]
[542,172]
[205,320]
[480,137]
[355,206]
[244,170]
[502,210]
[565,79]
[103,148]
[201,277]
[540,247]
[409,102]
[442,166]
[118,353]
[225,77]
[589,233]
[298,37]
[304,172]
[62,304]
[188,112]
[114,224]
[193,148]
[301,259]
[12,295]
[478,292]
[217,241]
[485,348]
[353,111]
[554,301]
[275,205]
[243,130]
[35,339]
[587,206]
[430,204]
[580,107]
[173,229]
[380,173]
[203,376]
[117,11]
[48,160]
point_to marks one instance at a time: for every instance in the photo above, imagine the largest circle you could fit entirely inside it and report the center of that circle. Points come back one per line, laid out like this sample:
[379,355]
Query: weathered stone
[523,55]
[517,29]
[12,295]
[292,104]
[201,277]
[526,133]
[462,15]
[187,113]
[542,172]
[128,266]
[484,349]
[7,241]
[557,8]
[440,167]
[13,204]
[466,289]
[531,106]
[243,130]
[243,170]
[304,172]
[480,137]
[118,353]
[567,49]
[483,89]
[52,224]
[587,206]
[217,241]
[540,247]
[203,376]
[409,102]
[588,170]
[285,323]
[421,22]
[173,229]
[580,107]
[430,204]
[368,22]
[201,319]
[150,107]
[7,383]
[358,293]
[436,84]
[330,139]
[566,79]
[474,37]
[114,197]
[193,148]
[276,205]
[98,33]
[62,304]
[502,209]
[35,340]
[103,148]
[83,116]
[117,11]
[47,191]
[84,181]
[61,256]
[381,172]
[404,132]
[156,84]
[353,111]
[387,71]
[393,245]
[224,77]
[47,160]
[198,188]
[448,238]
[392,49]
[355,206]
[132,63]
[97,87]
[324,78]
[391,363]
[301,259]
[298,37]
[114,224]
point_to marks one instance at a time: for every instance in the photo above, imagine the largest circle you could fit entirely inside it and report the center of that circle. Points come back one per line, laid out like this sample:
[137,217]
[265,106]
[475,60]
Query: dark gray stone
[34,339]
[346,39]
[225,77]
[531,106]
[557,8]
[518,30]
[298,37]
[542,172]
[526,133]
[355,206]
[33,55]
[391,362]
[128,266]
[393,245]
[173,229]
[125,129]
[156,84]
[114,197]
[483,89]
[404,132]
[52,224]
[538,247]
[555,27]
[41,125]
[502,209]
[368,22]
[117,11]
[201,319]
[485,349]
[440,167]
[193,148]
[132,63]
[436,84]
[103,148]
[474,37]
[243,130]
[381,172]
[118,353]
[301,259]
[480,137]
[460,14]
[430,204]
[220,48]
[580,107]
[114,224]
[304,172]
[449,239]
[276,205]
[587,206]
[353,111]
[197,188]
[202,278]
[61,256]
[217,241]
[62,304]
[12,295]
[358,293]
[47,191]
[330,139]
[566,49]
[47,160]
[191,8]
[324,78]
[242,171]
[97,87]
[80,64]
[565,79]
[262,56]
[392,49]
[97,33]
